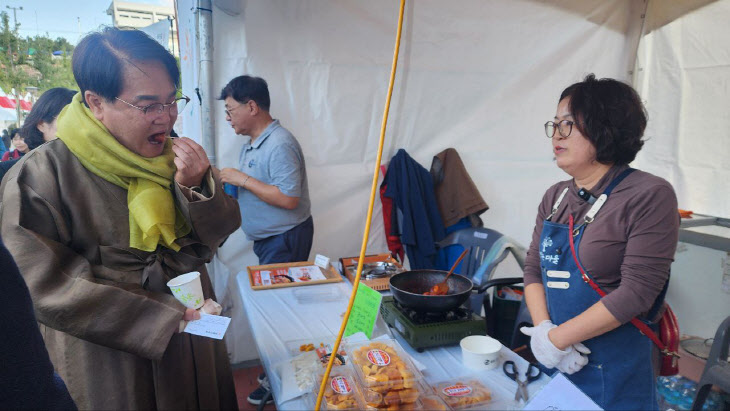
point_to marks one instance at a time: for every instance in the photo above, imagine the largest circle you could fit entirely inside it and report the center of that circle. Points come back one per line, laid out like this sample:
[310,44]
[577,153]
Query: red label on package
[341,385]
[457,390]
[378,357]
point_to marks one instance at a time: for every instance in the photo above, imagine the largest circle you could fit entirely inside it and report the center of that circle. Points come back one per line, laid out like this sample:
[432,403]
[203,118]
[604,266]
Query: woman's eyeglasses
[564,127]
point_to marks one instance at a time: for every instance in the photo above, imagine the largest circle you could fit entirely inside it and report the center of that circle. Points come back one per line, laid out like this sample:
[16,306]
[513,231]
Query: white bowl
[480,352]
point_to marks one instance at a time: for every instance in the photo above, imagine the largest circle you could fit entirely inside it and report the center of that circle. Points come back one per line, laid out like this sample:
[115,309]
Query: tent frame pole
[205,43]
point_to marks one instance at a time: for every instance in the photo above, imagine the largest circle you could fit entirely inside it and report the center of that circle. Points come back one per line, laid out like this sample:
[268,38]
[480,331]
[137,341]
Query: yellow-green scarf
[153,217]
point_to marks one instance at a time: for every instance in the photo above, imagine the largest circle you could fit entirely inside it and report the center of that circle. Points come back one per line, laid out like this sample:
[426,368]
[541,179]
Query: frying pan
[408,288]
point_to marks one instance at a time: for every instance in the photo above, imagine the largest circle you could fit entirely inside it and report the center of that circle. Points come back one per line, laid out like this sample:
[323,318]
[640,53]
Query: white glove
[544,350]
[574,361]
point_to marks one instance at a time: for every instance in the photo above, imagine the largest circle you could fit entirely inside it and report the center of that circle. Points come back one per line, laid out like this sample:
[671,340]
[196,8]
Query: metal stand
[706,231]
[717,369]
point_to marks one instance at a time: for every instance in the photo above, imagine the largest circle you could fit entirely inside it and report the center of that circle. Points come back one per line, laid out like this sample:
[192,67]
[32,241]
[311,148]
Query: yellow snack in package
[386,376]
[464,394]
[340,391]
[383,366]
[432,402]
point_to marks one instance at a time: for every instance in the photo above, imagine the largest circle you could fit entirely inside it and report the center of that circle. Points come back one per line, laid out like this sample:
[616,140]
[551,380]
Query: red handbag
[669,336]
[668,339]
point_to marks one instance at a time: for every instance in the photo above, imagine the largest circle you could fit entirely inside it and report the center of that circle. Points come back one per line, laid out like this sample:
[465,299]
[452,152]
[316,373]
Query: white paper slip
[212,326]
[322,261]
[561,394]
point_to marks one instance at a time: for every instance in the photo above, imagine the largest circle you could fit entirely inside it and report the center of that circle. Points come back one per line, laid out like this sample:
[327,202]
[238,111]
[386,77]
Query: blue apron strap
[660,298]
[618,180]
[591,214]
[659,302]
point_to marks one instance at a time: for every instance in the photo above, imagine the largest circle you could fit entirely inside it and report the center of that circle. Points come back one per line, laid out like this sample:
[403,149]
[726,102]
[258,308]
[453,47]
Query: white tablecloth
[279,316]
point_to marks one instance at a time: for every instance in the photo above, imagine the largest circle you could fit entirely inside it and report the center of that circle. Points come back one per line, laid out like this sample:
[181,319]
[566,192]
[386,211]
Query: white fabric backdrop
[479,76]
[684,77]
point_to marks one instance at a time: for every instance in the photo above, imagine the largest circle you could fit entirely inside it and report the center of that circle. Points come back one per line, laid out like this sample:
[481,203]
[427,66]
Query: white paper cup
[188,290]
[480,352]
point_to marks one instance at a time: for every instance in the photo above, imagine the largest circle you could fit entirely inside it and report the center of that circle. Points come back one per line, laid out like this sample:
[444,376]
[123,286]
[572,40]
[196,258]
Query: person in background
[101,218]
[21,148]
[27,380]
[626,246]
[3,147]
[6,140]
[40,125]
[272,182]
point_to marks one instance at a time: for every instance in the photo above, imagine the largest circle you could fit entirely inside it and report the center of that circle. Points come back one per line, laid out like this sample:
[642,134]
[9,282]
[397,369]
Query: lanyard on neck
[557,204]
[591,214]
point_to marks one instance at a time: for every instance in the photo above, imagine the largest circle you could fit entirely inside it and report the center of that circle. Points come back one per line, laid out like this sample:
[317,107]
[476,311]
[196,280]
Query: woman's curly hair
[611,116]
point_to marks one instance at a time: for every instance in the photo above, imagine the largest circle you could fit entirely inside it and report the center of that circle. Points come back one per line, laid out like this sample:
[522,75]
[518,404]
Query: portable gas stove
[423,330]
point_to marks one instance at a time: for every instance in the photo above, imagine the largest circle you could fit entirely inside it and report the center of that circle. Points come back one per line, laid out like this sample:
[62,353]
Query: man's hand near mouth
[191,161]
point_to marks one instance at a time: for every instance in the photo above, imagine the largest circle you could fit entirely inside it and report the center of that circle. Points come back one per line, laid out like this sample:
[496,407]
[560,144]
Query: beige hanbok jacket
[107,318]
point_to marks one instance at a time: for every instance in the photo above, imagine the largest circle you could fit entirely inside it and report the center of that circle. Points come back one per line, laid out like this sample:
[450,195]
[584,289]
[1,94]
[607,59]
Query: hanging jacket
[456,194]
[410,187]
[391,233]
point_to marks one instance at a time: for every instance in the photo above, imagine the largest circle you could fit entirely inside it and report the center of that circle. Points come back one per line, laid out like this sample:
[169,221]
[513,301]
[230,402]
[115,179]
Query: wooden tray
[349,265]
[331,274]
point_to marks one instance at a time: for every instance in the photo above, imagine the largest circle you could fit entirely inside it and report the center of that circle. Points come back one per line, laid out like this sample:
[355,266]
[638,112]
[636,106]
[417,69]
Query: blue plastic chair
[488,248]
[485,246]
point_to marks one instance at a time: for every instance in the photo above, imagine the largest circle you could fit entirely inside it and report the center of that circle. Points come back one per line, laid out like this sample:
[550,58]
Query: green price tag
[364,312]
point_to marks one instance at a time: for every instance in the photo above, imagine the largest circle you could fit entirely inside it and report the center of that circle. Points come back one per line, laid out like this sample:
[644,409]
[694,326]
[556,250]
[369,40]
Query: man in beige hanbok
[101,218]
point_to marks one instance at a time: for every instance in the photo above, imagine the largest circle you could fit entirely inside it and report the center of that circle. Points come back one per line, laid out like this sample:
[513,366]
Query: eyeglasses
[230,110]
[154,110]
[564,127]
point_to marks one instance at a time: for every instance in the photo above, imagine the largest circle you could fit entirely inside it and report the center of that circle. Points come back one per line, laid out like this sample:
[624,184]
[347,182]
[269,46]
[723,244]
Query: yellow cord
[373,191]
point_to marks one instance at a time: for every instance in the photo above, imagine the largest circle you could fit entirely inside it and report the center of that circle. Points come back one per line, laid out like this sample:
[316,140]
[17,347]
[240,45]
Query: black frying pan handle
[498,281]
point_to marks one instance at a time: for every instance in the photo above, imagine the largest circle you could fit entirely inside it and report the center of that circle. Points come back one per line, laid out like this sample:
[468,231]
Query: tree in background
[30,61]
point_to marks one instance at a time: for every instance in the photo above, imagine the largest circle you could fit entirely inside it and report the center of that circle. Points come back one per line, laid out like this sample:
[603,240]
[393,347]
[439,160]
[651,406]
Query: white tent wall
[479,76]
[683,74]
[684,79]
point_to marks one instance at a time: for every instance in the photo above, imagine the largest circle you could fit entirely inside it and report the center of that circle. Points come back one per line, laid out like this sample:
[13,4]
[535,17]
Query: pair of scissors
[511,371]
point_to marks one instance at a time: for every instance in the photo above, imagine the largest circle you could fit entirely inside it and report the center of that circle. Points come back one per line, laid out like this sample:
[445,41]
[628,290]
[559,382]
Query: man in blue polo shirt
[271,180]
[271,177]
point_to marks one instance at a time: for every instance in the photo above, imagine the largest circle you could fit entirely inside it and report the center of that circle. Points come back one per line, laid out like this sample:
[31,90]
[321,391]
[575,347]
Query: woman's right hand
[542,348]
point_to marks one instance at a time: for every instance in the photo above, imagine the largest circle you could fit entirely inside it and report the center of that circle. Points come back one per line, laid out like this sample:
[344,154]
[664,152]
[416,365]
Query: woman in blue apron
[602,248]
